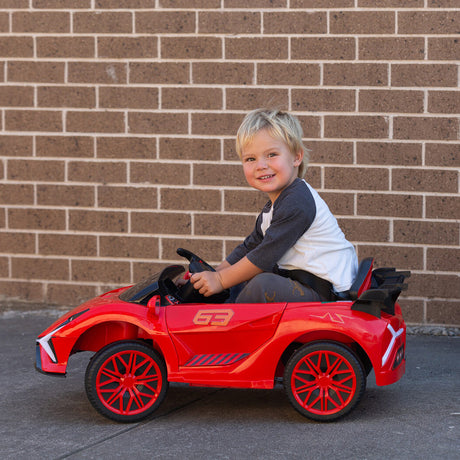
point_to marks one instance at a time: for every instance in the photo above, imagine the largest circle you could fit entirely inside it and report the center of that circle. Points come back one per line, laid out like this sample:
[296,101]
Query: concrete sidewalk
[46,417]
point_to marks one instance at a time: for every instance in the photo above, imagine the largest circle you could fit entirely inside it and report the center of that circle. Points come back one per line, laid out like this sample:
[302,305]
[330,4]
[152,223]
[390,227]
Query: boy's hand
[207,283]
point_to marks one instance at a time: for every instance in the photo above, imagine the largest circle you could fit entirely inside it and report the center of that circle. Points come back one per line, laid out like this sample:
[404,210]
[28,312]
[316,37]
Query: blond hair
[281,125]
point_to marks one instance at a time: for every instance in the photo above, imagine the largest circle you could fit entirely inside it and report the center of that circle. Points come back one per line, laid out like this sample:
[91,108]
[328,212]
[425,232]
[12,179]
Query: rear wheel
[324,381]
[126,381]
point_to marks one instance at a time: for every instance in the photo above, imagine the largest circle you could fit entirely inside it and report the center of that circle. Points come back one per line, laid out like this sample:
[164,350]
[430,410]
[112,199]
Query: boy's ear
[298,158]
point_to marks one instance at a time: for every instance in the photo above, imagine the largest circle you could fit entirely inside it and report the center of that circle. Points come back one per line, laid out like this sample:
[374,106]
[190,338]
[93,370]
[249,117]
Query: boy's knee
[260,289]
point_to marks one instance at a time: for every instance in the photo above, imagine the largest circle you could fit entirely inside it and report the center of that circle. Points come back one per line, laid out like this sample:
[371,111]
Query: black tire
[126,381]
[324,381]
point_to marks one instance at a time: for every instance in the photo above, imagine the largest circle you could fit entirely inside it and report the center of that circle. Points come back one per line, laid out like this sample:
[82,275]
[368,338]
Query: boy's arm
[226,276]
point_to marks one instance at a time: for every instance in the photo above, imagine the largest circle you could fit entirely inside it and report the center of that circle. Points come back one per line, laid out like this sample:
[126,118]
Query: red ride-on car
[157,331]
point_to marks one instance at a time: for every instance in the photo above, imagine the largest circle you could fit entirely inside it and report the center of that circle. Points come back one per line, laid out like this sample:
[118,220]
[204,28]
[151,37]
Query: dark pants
[270,287]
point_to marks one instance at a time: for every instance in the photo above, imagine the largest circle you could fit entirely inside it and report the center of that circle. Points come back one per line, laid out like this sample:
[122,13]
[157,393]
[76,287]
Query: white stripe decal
[395,335]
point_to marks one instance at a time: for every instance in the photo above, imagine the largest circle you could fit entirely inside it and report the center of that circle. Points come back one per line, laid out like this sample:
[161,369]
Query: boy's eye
[248,159]
[272,154]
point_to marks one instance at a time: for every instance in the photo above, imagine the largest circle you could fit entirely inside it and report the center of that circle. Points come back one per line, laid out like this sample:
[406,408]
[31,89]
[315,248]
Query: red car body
[231,345]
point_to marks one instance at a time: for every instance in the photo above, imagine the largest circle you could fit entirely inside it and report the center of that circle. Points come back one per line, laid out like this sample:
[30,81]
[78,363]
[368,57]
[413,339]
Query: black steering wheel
[187,293]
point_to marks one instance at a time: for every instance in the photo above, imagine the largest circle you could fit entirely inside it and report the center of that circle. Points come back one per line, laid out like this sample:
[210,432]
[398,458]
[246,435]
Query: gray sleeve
[293,214]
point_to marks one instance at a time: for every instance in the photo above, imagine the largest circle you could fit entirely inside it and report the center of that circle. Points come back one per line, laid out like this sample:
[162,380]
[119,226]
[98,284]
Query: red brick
[29,291]
[221,73]
[216,123]
[127,47]
[112,22]
[17,243]
[160,173]
[16,96]
[65,195]
[191,98]
[223,225]
[37,72]
[98,221]
[41,22]
[191,200]
[445,48]
[17,194]
[330,152]
[95,122]
[64,4]
[391,101]
[427,233]
[442,207]
[126,147]
[441,75]
[373,204]
[444,102]
[4,22]
[36,170]
[362,22]
[69,245]
[437,285]
[106,271]
[356,178]
[229,22]
[322,3]
[94,171]
[210,174]
[252,98]
[389,153]
[129,4]
[191,48]
[289,74]
[33,120]
[430,128]
[340,203]
[167,223]
[428,22]
[324,100]
[311,126]
[443,259]
[65,47]
[254,48]
[97,73]
[156,73]
[16,47]
[189,149]
[165,22]
[345,74]
[17,145]
[128,97]
[129,247]
[391,3]
[64,146]
[422,180]
[295,22]
[442,154]
[40,269]
[402,257]
[126,197]
[244,200]
[365,230]
[323,48]
[356,126]
[443,312]
[157,123]
[66,96]
[254,3]
[391,48]
[36,219]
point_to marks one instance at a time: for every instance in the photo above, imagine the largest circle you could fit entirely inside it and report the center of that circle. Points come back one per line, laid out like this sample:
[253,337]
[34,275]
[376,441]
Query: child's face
[269,165]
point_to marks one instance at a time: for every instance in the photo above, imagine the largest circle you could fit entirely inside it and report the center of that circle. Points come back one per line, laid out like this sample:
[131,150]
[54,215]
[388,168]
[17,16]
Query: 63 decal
[213,317]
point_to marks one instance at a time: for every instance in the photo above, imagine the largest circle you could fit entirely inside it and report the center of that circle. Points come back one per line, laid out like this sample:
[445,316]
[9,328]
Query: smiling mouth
[269,176]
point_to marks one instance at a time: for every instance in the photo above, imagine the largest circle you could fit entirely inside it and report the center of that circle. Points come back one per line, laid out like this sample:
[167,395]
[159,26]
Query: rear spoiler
[386,285]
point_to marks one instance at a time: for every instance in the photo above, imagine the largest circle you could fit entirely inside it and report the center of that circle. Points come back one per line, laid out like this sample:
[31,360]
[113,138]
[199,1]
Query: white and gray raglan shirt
[300,232]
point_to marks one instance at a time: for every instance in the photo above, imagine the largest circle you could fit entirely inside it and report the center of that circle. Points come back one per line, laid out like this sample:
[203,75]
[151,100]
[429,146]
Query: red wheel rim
[323,382]
[129,382]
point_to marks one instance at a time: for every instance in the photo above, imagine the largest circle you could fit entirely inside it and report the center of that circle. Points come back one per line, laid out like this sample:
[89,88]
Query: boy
[296,251]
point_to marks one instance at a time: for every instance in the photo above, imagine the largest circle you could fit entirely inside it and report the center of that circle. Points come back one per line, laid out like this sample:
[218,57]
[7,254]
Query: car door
[220,334]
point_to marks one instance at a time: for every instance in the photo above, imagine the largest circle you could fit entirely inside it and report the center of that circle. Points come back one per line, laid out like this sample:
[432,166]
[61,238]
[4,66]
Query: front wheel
[126,381]
[324,381]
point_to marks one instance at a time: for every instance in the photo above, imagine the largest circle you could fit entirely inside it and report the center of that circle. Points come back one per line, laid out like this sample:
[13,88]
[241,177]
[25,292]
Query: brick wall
[118,121]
